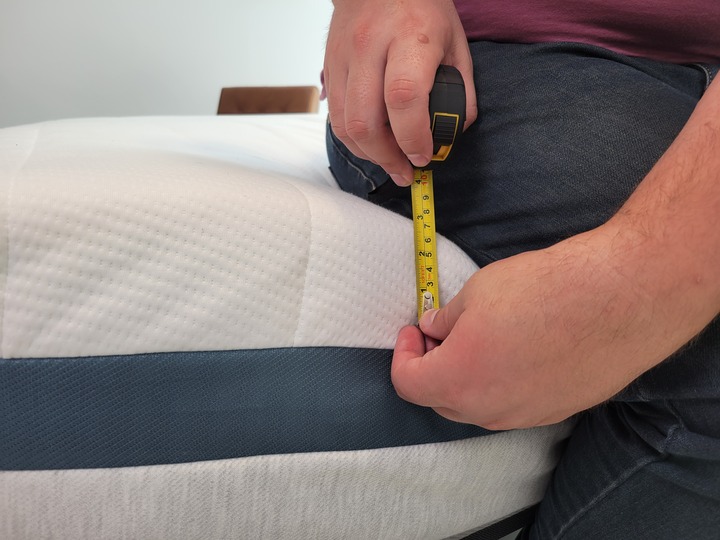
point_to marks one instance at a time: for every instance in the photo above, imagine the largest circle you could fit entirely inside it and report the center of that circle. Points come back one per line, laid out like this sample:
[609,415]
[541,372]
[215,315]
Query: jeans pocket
[354,175]
[710,72]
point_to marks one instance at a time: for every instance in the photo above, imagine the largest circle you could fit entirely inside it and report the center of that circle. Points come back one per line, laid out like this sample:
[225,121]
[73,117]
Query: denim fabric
[565,134]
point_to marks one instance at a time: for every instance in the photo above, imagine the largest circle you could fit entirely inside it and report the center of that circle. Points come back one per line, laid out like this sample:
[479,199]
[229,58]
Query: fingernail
[419,160]
[400,180]
[428,317]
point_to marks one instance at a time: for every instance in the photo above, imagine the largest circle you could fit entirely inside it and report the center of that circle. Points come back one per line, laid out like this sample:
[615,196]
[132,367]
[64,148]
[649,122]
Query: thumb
[437,323]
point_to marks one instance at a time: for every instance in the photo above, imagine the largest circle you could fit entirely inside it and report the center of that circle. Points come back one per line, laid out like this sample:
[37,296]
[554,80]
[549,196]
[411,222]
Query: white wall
[71,58]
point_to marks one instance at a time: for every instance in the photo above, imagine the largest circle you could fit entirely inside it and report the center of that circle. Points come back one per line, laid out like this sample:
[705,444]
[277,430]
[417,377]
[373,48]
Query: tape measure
[447,116]
[426,270]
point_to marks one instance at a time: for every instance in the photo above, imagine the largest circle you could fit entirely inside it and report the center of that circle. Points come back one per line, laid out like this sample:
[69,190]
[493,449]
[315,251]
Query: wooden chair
[273,99]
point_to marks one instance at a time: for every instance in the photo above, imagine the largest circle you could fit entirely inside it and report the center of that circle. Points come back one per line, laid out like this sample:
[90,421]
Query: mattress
[196,334]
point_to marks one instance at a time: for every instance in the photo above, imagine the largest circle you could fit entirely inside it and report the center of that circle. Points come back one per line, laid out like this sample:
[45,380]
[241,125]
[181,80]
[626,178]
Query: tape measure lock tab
[428,301]
[444,130]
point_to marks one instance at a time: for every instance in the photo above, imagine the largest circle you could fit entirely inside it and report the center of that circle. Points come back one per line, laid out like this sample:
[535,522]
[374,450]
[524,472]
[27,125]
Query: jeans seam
[709,71]
[604,493]
[349,162]
[674,429]
[663,454]
[708,76]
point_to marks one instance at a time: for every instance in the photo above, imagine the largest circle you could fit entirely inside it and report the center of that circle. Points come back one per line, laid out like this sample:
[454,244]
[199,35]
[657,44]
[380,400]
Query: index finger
[409,352]
[423,377]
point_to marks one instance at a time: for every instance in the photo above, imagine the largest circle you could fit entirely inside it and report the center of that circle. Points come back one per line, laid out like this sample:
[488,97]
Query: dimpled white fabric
[430,491]
[177,234]
[139,235]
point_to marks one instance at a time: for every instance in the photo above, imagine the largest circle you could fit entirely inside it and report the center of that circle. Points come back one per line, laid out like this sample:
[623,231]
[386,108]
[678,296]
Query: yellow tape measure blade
[426,267]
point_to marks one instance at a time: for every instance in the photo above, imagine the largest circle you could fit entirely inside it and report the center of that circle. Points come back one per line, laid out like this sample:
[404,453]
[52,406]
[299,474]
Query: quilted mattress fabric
[192,304]
[148,235]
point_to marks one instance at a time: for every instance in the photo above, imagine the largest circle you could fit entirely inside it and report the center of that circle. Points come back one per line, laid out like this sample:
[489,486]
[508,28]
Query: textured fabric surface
[146,235]
[144,263]
[415,492]
[164,408]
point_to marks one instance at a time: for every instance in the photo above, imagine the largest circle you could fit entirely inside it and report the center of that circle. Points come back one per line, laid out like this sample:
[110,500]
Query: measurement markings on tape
[426,268]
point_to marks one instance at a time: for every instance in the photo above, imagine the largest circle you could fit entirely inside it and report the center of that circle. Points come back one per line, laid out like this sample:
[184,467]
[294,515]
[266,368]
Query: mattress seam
[306,269]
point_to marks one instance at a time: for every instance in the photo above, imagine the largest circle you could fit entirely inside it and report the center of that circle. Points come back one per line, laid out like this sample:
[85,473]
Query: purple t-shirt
[677,31]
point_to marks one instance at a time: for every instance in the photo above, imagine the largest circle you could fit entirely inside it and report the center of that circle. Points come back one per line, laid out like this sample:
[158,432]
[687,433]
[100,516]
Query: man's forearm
[669,229]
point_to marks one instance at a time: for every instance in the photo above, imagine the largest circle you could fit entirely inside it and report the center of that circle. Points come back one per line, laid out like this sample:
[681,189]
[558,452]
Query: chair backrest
[273,99]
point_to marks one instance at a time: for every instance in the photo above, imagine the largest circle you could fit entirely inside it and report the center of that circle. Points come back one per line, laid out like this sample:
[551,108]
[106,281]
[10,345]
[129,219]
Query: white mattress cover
[429,492]
[165,234]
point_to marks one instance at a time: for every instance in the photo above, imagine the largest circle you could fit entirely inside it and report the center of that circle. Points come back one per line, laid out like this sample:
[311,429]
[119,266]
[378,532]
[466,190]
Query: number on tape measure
[426,274]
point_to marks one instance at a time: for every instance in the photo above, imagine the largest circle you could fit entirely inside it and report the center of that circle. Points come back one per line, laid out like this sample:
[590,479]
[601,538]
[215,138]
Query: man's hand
[537,337]
[380,64]
[533,339]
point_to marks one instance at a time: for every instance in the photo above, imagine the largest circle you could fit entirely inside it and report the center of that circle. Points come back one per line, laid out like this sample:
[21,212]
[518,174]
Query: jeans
[564,135]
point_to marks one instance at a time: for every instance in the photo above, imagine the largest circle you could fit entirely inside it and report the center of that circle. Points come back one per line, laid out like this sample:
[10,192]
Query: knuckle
[362,38]
[412,144]
[401,94]
[336,115]
[409,388]
[339,131]
[403,387]
[358,129]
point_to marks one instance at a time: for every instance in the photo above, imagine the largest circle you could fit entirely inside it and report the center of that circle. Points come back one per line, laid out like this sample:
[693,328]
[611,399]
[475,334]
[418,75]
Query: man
[589,193]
